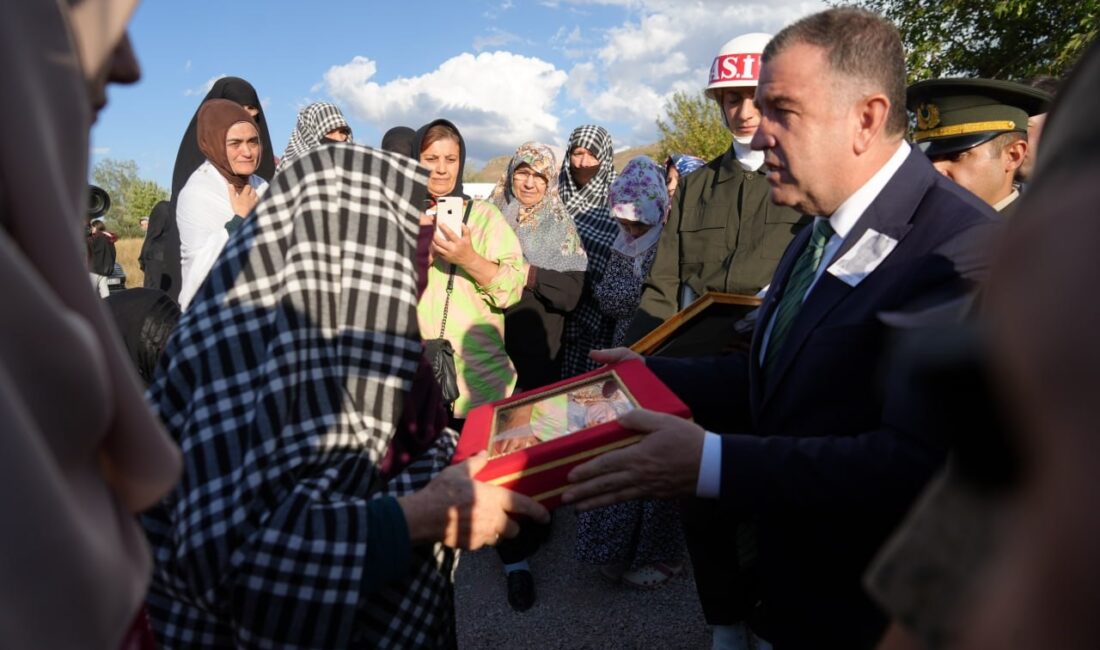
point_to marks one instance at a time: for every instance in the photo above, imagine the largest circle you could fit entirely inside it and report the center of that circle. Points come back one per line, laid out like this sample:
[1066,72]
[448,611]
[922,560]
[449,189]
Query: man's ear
[871,114]
[1014,154]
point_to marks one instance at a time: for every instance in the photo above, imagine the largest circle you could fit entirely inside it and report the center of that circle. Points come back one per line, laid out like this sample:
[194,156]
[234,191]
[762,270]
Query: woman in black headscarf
[402,140]
[162,241]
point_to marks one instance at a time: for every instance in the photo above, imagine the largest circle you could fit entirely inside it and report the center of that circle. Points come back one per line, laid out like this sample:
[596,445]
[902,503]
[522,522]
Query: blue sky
[505,71]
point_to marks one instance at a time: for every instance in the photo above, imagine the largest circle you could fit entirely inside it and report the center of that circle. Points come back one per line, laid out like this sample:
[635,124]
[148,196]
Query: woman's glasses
[523,175]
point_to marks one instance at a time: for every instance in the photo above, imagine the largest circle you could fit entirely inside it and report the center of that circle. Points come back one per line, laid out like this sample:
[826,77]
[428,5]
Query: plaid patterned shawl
[587,327]
[314,123]
[283,385]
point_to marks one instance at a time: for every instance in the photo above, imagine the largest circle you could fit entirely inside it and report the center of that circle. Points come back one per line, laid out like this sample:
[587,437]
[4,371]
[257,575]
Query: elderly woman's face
[442,158]
[242,146]
[527,186]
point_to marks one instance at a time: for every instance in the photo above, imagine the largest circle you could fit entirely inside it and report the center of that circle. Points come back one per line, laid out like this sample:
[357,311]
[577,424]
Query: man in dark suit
[813,456]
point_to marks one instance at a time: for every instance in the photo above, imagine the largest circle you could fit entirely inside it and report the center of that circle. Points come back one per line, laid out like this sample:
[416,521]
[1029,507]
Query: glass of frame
[545,417]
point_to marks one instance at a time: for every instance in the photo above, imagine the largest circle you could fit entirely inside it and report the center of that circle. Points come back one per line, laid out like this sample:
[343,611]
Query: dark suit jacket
[819,463]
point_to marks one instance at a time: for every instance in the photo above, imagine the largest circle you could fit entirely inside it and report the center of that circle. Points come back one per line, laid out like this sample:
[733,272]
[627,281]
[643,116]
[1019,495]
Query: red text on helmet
[735,67]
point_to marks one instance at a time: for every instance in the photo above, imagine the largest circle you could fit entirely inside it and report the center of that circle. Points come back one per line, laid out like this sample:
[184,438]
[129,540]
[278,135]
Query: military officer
[975,132]
[723,234]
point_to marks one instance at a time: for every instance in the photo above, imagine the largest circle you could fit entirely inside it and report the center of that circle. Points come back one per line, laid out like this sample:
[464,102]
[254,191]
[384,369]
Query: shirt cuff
[710,467]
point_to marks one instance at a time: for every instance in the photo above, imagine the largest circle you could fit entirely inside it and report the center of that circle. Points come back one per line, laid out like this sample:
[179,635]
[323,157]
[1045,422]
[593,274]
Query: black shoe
[521,590]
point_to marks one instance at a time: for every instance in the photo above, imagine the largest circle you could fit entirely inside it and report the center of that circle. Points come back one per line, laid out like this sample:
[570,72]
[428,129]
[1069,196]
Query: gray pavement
[576,608]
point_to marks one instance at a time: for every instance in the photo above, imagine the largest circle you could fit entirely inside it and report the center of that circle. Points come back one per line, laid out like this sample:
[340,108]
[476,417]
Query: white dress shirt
[842,222]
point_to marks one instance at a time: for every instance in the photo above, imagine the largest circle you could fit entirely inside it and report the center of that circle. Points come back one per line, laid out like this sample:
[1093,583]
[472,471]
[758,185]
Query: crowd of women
[548,268]
[291,456]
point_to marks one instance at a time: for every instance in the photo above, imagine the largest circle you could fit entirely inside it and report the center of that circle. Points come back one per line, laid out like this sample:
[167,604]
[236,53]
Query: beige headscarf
[80,450]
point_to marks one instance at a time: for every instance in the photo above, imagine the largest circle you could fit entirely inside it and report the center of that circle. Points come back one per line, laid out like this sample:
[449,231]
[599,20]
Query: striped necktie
[805,268]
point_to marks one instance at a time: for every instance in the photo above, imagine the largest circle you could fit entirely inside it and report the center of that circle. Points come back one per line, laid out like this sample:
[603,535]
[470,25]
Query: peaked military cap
[957,114]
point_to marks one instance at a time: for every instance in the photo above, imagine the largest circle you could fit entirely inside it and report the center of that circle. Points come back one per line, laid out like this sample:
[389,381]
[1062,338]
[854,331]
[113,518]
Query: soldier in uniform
[975,132]
[723,234]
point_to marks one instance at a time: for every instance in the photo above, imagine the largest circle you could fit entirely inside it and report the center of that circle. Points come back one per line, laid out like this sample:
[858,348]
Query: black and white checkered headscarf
[587,327]
[283,385]
[314,122]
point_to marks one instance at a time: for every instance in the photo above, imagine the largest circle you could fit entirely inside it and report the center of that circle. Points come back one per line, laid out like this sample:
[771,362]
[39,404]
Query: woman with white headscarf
[639,543]
[80,450]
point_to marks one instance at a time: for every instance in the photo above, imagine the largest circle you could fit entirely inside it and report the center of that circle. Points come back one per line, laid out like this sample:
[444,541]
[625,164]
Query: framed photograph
[714,324]
[535,438]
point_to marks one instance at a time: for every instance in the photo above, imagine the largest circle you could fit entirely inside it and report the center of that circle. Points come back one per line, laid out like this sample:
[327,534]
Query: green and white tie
[805,268]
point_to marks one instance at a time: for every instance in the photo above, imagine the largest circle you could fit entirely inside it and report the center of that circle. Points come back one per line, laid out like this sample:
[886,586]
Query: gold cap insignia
[928,116]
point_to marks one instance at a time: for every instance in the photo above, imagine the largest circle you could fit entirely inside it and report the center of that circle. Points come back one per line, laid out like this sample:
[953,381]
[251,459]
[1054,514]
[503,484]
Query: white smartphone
[448,211]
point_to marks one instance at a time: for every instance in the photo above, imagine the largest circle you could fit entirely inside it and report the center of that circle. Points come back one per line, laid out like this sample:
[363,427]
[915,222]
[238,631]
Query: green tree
[998,39]
[695,127]
[132,197]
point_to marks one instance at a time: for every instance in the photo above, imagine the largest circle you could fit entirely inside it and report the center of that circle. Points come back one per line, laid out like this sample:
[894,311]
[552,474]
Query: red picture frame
[536,437]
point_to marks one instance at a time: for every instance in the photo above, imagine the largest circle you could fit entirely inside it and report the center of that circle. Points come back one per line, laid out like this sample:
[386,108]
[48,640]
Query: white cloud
[101,151]
[203,89]
[187,66]
[497,99]
[494,38]
[667,46]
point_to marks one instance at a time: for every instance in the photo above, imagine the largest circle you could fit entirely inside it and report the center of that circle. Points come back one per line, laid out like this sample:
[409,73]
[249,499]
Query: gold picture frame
[715,323]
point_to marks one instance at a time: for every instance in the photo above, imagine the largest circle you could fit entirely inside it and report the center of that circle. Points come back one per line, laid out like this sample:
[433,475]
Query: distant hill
[624,156]
[494,169]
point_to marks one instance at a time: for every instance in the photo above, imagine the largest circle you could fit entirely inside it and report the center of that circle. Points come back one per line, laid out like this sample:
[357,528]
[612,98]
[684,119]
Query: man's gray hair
[859,45]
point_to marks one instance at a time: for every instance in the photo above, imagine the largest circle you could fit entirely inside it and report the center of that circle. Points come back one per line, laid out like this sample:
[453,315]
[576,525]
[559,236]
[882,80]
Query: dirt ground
[575,607]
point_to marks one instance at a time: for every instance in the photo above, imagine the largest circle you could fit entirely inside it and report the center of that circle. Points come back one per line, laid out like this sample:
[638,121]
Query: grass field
[126,254]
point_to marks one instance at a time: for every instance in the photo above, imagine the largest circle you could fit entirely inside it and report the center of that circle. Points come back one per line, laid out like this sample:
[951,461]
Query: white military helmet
[737,63]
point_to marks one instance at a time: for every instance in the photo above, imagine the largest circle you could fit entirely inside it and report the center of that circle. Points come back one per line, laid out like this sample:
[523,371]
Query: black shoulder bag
[439,352]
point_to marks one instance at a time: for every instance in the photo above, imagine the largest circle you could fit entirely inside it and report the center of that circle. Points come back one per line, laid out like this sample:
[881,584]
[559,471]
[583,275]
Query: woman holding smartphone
[489,275]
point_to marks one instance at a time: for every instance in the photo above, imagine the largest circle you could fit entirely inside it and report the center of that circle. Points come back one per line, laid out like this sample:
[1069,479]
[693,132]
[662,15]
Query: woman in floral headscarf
[639,205]
[638,542]
[554,265]
[554,262]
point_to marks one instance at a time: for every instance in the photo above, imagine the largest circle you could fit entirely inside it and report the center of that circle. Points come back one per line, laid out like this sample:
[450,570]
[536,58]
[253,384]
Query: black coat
[813,456]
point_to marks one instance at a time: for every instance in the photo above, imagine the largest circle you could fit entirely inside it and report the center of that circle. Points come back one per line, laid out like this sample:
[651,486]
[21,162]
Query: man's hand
[665,463]
[242,202]
[614,355]
[464,513]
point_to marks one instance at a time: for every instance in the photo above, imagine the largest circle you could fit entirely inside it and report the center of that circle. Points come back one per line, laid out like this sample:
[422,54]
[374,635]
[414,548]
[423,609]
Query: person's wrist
[423,525]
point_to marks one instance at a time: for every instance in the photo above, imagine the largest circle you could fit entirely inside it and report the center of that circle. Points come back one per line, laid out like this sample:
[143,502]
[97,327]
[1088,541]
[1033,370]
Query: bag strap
[451,277]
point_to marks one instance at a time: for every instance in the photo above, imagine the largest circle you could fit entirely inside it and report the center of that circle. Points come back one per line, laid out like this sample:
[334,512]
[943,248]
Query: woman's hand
[454,248]
[464,513]
[243,201]
[460,251]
